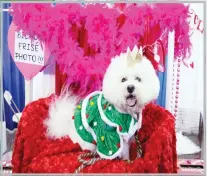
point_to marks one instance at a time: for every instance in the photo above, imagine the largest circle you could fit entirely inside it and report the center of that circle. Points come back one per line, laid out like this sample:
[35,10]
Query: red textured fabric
[35,153]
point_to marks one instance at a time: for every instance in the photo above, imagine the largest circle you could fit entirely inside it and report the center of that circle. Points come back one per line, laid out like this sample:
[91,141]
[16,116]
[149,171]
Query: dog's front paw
[125,152]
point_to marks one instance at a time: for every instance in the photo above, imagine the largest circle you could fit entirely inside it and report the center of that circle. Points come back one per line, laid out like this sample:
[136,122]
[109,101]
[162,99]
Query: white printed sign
[27,50]
[30,55]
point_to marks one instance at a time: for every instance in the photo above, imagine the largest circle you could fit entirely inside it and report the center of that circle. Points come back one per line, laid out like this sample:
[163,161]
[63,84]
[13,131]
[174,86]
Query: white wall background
[192,80]
[185,97]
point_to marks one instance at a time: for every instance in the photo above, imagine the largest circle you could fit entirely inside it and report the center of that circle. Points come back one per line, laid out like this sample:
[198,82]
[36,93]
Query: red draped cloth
[35,153]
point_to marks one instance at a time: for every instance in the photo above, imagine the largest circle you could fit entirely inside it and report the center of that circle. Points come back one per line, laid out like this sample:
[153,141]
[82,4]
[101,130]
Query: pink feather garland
[55,26]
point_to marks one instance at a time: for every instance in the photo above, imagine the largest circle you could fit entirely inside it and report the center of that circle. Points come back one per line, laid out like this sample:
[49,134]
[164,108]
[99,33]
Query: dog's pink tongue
[131,101]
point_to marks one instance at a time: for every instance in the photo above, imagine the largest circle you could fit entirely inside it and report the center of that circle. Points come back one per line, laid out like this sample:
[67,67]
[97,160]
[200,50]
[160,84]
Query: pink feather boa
[55,26]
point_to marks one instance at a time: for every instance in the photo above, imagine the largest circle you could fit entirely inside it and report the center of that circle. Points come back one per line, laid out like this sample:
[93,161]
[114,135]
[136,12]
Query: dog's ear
[116,57]
[112,59]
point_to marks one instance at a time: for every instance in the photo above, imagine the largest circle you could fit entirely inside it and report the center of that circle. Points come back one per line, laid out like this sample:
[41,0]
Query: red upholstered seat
[35,153]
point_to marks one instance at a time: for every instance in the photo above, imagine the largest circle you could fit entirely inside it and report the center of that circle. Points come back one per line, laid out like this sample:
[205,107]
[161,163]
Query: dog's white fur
[60,123]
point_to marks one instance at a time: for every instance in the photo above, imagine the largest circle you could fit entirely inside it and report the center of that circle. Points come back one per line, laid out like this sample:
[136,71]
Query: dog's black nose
[130,88]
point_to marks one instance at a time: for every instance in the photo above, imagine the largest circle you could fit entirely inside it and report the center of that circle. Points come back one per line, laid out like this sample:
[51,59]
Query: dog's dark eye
[123,79]
[138,79]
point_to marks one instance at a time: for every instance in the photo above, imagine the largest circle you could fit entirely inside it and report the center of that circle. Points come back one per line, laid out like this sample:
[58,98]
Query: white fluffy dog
[106,120]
